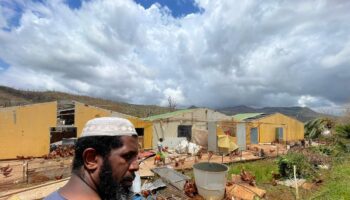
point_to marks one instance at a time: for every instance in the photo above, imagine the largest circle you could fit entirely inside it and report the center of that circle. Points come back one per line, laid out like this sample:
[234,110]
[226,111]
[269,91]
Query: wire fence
[26,172]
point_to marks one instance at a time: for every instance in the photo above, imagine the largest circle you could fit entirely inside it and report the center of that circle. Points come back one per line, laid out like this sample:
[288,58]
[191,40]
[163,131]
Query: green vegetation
[304,168]
[334,186]
[314,128]
[262,170]
[343,130]
[336,182]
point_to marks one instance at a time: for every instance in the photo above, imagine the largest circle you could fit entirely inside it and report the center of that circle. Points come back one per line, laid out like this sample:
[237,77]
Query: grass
[336,185]
[262,169]
[335,180]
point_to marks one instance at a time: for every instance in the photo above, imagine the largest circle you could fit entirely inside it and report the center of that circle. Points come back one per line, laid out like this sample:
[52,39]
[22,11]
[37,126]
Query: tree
[171,103]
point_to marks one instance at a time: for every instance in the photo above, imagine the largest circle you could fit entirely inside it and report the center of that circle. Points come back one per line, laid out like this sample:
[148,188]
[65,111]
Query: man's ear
[91,159]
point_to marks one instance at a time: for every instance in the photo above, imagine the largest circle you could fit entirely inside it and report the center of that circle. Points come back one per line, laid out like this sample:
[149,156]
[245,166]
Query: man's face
[118,170]
[123,160]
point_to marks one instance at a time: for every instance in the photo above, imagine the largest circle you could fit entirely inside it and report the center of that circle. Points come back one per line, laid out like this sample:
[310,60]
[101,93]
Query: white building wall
[199,118]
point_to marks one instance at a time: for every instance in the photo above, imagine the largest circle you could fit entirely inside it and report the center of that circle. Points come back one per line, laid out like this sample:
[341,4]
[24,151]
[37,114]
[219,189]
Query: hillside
[13,97]
[301,113]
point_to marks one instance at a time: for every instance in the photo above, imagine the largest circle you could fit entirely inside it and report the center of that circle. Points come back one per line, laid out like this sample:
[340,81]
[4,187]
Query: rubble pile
[243,187]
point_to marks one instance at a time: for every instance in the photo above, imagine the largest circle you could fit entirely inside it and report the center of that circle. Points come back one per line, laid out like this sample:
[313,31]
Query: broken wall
[25,130]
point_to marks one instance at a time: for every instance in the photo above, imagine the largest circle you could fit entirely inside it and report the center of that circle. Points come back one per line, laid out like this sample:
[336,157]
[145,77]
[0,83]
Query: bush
[303,167]
[343,130]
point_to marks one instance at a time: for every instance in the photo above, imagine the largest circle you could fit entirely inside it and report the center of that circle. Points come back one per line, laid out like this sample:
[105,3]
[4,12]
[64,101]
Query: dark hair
[161,139]
[102,144]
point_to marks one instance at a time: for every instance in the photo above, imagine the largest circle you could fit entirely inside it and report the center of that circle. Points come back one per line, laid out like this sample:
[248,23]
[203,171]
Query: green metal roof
[244,116]
[167,115]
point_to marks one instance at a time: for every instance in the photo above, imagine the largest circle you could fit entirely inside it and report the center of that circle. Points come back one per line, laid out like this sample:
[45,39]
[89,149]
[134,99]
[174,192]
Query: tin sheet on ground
[171,176]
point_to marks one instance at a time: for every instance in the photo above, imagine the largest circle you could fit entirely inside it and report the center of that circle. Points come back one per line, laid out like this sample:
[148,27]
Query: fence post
[24,171]
[296,182]
[27,175]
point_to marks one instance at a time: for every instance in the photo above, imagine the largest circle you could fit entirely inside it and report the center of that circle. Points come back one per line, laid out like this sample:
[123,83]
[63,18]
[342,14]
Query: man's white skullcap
[108,126]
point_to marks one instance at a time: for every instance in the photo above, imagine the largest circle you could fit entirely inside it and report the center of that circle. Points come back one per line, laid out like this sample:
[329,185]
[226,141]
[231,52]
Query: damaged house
[28,130]
[192,124]
[267,128]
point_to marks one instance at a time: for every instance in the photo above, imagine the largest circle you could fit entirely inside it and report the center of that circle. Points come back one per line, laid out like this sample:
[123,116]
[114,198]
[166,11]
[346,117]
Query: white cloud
[235,52]
[175,95]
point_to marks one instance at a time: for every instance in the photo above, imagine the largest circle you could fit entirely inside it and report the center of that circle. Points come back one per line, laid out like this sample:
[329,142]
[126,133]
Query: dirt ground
[36,170]
[41,170]
[250,154]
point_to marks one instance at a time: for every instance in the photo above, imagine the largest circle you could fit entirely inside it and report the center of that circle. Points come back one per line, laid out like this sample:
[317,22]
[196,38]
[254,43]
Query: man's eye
[129,157]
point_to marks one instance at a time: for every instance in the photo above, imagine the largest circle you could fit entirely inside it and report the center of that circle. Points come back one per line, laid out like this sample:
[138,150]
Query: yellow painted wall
[83,113]
[293,130]
[25,130]
[148,131]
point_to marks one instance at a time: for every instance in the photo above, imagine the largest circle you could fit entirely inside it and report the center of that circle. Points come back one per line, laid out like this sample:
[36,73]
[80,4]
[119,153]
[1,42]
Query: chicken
[172,158]
[200,154]
[190,188]
[6,171]
[182,161]
[210,154]
[59,177]
[4,168]
[247,177]
[275,175]
[274,182]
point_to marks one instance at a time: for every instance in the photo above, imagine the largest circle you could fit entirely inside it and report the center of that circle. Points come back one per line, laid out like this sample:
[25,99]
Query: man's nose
[134,165]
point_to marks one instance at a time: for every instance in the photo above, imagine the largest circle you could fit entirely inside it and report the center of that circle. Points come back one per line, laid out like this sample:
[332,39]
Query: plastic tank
[210,179]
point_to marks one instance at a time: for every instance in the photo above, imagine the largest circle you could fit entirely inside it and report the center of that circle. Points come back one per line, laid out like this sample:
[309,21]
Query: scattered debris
[323,166]
[145,154]
[291,182]
[308,186]
[171,176]
[243,191]
[153,185]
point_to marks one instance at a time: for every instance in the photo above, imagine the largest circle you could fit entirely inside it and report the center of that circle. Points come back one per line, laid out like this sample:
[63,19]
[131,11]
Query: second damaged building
[192,124]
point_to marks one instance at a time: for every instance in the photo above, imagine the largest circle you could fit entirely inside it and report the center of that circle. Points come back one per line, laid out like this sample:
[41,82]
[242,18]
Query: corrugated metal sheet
[167,115]
[171,176]
[246,116]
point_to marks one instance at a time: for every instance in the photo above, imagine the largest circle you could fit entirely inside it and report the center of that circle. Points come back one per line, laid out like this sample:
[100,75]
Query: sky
[199,52]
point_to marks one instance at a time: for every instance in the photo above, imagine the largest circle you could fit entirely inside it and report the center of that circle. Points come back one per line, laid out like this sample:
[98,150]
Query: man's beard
[110,189]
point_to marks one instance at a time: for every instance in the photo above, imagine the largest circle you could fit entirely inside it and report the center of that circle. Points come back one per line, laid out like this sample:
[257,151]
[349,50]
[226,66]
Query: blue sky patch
[178,8]
[12,21]
[3,65]
[74,4]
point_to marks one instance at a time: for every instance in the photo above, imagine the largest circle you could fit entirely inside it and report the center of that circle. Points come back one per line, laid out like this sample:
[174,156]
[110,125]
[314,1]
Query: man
[105,157]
